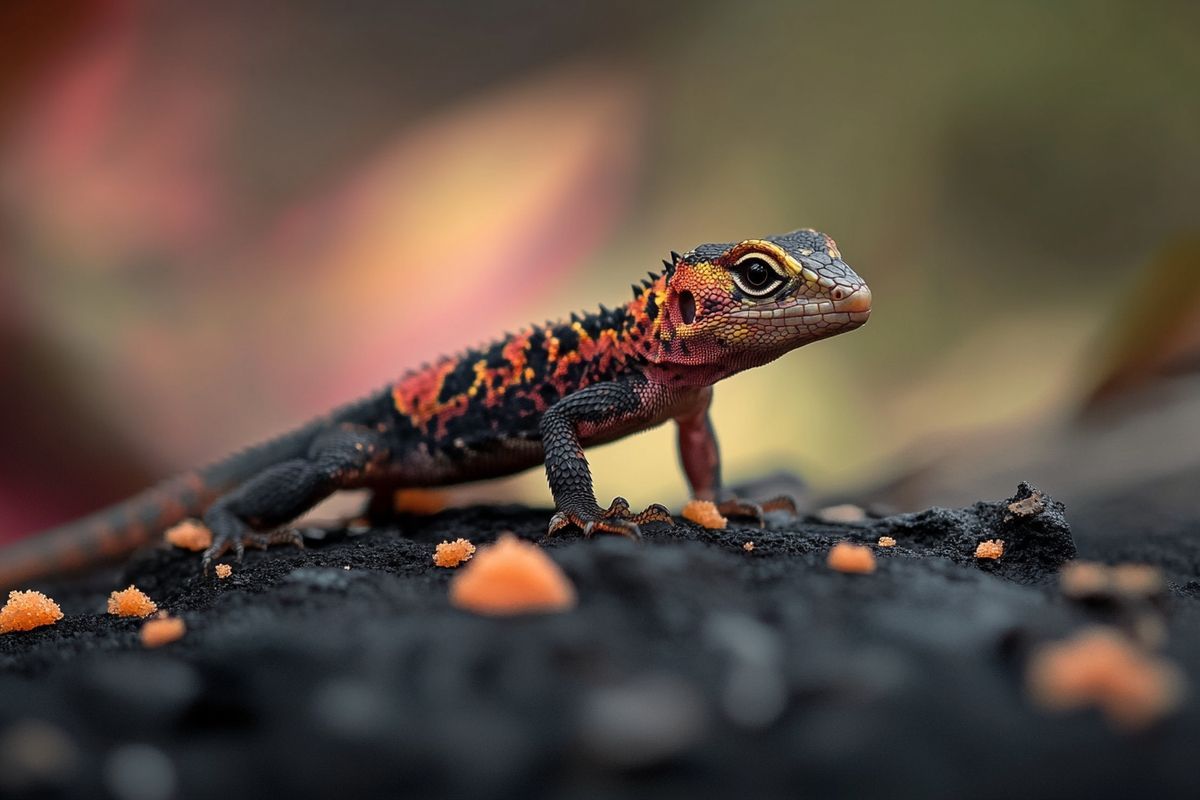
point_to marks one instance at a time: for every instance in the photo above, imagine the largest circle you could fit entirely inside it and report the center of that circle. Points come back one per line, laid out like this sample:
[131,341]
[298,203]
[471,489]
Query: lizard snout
[858,301]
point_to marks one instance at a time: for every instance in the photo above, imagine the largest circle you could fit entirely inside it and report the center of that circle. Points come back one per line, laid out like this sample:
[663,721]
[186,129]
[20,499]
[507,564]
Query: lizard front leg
[702,464]
[600,411]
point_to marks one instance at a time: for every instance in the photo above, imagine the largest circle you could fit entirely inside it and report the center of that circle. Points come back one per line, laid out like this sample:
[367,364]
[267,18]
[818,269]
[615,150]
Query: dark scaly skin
[541,395]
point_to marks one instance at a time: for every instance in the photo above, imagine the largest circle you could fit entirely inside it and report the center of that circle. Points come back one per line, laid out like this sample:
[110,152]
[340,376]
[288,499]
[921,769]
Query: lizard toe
[622,527]
[655,512]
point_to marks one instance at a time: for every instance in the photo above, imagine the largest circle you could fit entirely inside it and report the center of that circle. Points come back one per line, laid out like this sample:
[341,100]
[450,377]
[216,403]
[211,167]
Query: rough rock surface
[691,667]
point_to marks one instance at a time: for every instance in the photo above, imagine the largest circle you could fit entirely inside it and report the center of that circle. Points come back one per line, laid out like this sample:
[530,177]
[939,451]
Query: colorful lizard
[538,396]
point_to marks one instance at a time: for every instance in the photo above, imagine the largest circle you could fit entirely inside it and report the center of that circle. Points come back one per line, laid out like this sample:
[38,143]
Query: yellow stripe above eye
[772,254]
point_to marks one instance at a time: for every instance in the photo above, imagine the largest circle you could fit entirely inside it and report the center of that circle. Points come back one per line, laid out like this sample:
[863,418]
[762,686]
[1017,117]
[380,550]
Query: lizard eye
[757,276]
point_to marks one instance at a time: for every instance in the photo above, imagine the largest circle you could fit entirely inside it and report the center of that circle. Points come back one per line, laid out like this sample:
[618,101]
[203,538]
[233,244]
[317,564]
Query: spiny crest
[670,265]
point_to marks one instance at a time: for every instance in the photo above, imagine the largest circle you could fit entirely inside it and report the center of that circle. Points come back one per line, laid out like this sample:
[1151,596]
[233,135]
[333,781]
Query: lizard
[538,396]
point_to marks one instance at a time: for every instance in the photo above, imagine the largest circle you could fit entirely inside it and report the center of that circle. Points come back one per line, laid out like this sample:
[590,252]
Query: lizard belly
[461,461]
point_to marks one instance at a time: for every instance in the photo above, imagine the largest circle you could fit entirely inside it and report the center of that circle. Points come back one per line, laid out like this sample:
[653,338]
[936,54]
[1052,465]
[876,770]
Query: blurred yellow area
[219,222]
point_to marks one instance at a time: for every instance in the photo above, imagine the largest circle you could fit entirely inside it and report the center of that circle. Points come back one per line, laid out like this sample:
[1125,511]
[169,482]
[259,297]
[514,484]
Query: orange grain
[131,602]
[451,554]
[851,558]
[704,513]
[990,548]
[422,502]
[511,577]
[190,535]
[162,630]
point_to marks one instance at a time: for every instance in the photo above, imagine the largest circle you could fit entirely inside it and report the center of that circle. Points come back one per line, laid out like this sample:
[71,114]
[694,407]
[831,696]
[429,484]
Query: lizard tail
[117,531]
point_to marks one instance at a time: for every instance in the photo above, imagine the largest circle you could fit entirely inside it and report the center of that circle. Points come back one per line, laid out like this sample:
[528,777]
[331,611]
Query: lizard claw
[557,523]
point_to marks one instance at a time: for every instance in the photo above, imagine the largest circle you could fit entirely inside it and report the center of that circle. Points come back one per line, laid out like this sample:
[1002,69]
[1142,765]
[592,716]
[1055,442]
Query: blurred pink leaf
[452,231]
[114,163]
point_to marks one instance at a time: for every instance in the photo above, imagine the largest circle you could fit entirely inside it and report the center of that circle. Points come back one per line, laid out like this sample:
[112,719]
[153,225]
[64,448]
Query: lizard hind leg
[253,514]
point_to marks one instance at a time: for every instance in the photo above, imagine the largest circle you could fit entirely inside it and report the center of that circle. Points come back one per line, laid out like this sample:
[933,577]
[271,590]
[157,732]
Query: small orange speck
[451,554]
[704,512]
[162,630]
[748,546]
[853,558]
[1099,667]
[990,548]
[131,602]
[887,541]
[511,577]
[25,611]
[224,571]
[190,535]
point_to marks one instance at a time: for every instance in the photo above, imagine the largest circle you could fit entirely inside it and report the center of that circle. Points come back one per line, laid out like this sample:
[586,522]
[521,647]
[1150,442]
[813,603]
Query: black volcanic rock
[691,667]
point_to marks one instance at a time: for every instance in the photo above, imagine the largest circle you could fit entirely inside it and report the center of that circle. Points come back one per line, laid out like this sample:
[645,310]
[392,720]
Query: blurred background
[217,220]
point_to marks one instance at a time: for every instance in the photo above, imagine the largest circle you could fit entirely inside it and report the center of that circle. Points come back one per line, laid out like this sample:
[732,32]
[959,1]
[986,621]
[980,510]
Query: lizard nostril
[838,294]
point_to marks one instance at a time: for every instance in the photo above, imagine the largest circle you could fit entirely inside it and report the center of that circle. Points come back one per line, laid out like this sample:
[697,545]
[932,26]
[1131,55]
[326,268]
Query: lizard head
[722,308]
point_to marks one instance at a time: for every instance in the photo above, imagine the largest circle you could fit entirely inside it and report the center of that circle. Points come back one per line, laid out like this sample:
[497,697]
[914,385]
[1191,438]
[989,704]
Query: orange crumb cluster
[704,512]
[887,541]
[25,611]
[224,571]
[511,577]
[990,548]
[422,502]
[190,535]
[131,602]
[748,546]
[852,558]
[451,554]
[1101,668]
[162,630]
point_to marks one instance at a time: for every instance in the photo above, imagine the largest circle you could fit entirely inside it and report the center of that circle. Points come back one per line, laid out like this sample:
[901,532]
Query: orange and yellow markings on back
[421,395]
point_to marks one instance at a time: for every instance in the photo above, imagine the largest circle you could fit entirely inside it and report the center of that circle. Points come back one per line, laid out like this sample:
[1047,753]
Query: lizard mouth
[846,313]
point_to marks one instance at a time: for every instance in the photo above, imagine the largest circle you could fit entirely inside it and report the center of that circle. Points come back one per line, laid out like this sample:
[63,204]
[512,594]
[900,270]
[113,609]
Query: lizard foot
[617,519]
[736,507]
[240,540]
